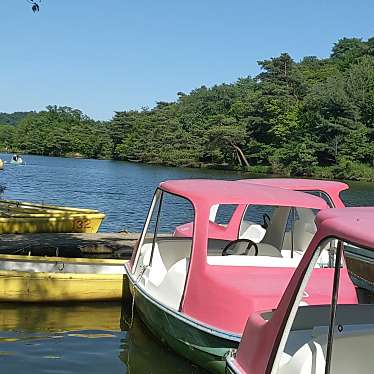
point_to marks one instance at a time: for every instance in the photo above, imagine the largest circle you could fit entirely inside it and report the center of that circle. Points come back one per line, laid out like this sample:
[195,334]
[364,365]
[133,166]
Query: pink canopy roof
[350,224]
[210,191]
[300,184]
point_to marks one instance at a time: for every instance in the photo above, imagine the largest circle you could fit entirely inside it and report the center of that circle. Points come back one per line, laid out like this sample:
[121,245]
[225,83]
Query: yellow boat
[60,279]
[21,217]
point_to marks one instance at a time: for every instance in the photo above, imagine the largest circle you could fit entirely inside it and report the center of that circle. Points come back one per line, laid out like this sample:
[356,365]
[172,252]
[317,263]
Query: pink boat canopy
[355,225]
[220,192]
[331,188]
[206,192]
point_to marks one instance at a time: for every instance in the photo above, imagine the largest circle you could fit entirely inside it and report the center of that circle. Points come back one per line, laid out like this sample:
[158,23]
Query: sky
[113,55]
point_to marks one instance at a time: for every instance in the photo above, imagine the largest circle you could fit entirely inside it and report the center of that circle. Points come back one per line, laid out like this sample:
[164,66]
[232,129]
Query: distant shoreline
[326,172]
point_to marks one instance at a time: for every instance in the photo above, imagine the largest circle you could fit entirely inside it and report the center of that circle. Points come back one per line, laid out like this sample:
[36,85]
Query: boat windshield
[322,195]
[331,333]
[162,258]
[221,214]
[263,234]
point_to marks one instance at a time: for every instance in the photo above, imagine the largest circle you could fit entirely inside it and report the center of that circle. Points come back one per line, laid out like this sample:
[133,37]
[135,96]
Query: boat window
[322,195]
[299,231]
[268,236]
[330,328]
[255,222]
[256,213]
[165,249]
[223,213]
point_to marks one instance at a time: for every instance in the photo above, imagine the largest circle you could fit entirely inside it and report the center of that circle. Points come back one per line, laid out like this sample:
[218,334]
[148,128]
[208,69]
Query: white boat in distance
[17,160]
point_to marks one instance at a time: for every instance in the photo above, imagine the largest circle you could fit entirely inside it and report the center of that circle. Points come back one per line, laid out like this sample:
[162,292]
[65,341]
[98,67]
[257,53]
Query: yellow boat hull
[60,285]
[21,218]
[71,223]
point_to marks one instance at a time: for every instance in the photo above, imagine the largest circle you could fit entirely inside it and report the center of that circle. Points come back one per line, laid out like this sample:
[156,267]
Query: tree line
[314,117]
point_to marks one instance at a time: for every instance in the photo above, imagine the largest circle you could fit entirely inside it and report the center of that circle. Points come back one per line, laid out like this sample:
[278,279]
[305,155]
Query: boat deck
[99,245]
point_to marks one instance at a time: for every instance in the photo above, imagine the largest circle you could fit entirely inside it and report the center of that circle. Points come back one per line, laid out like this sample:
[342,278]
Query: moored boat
[59,279]
[195,292]
[321,339]
[18,217]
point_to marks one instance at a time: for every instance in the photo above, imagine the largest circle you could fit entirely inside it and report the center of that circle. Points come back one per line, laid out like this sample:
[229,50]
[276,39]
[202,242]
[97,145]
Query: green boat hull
[199,344]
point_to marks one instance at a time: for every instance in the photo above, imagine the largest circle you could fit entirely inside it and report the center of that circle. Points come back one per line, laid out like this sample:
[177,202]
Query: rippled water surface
[122,190]
[92,338]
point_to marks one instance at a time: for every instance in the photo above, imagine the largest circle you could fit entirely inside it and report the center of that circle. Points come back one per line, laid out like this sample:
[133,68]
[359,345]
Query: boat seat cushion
[252,231]
[166,253]
[352,352]
[169,292]
[265,249]
[309,359]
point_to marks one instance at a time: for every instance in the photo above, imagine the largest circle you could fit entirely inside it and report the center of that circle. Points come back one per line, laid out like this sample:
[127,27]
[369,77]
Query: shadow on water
[80,339]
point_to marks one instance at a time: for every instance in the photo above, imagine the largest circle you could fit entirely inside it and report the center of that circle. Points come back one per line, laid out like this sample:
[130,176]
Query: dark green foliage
[58,131]
[310,118]
[13,118]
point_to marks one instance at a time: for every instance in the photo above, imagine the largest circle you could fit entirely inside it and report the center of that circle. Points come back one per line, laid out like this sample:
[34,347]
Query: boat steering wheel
[266,218]
[237,241]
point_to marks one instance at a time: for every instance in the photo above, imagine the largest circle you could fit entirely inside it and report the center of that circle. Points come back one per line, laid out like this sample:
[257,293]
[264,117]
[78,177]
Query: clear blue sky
[108,55]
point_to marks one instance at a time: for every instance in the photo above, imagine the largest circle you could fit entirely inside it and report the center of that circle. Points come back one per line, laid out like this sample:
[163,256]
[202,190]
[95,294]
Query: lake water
[91,338]
[122,190]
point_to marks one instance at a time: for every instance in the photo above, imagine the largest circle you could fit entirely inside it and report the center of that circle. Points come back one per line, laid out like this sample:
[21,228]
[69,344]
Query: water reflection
[95,338]
[143,354]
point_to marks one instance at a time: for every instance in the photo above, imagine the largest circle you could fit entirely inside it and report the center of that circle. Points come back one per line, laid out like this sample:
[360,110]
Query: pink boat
[315,339]
[195,293]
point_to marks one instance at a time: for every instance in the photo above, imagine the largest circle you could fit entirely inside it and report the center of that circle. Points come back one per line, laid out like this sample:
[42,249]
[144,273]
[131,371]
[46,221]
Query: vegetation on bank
[309,118]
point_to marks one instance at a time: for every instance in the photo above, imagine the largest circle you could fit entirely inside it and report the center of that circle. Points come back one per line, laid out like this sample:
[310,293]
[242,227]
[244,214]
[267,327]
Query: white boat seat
[265,249]
[352,353]
[170,291]
[303,234]
[252,231]
[158,269]
[166,253]
[309,359]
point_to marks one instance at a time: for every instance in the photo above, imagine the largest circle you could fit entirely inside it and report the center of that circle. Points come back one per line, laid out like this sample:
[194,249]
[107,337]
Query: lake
[122,190]
[96,337]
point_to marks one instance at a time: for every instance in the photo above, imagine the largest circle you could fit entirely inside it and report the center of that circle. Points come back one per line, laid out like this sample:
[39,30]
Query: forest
[314,118]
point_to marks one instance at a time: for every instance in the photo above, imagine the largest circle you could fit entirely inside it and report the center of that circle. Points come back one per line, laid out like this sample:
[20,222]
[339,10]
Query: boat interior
[281,233]
[305,351]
